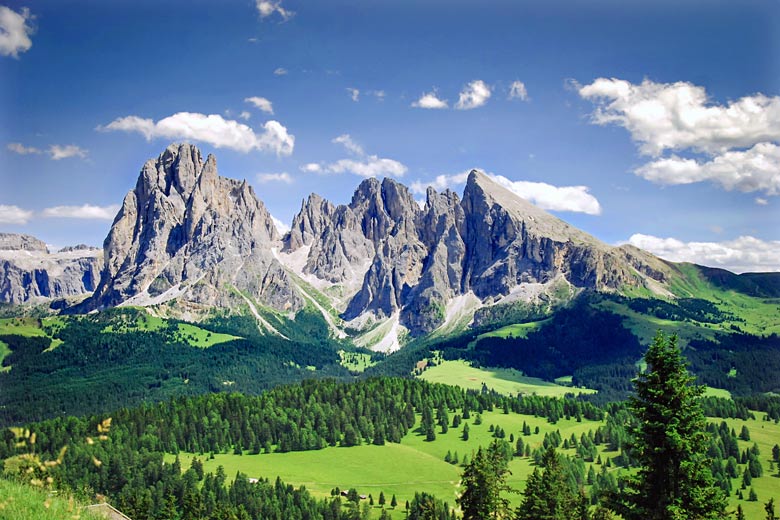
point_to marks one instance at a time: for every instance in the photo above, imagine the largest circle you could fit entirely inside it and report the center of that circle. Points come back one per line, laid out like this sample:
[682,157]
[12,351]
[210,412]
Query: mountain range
[383,267]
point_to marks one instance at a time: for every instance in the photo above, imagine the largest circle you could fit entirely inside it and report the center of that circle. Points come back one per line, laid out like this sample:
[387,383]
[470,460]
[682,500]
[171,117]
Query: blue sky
[657,124]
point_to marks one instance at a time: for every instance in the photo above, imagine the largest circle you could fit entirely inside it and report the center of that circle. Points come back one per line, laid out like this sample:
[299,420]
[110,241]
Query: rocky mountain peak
[29,272]
[185,233]
[17,242]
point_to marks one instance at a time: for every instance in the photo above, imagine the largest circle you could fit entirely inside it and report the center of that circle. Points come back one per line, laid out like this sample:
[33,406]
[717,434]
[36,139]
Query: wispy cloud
[430,100]
[743,254]
[364,165]
[14,215]
[280,71]
[15,31]
[473,95]
[354,94]
[517,90]
[347,142]
[66,151]
[23,150]
[55,151]
[86,211]
[284,177]
[212,129]
[268,8]
[260,103]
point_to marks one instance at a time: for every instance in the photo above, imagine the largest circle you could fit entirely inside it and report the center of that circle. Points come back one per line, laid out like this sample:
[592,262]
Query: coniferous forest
[677,464]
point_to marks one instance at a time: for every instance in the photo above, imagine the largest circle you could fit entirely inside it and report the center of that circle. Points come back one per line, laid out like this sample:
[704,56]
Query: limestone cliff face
[30,273]
[413,261]
[186,233]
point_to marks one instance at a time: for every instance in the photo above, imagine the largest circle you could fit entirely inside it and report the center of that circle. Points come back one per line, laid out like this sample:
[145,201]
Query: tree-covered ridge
[101,364]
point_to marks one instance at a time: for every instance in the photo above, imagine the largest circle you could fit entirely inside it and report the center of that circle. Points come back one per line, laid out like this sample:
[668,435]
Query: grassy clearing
[185,332]
[765,434]
[402,469]
[21,502]
[717,392]
[4,351]
[517,330]
[505,381]
[21,327]
[417,465]
[355,361]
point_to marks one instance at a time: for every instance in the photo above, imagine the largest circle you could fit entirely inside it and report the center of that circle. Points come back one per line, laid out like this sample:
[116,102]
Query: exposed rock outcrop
[414,261]
[185,233]
[30,273]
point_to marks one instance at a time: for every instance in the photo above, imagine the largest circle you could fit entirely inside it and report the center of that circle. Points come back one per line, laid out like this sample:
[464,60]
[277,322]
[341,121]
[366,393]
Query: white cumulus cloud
[517,90]
[267,8]
[212,129]
[260,103]
[440,182]
[66,151]
[354,94]
[86,211]
[14,215]
[555,198]
[677,116]
[15,31]
[755,169]
[473,95]
[284,177]
[280,71]
[281,227]
[23,150]
[546,196]
[311,168]
[430,100]
[743,254]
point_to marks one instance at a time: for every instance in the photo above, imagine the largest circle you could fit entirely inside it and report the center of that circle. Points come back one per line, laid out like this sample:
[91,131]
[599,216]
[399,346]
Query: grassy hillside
[22,502]
[418,465]
[505,381]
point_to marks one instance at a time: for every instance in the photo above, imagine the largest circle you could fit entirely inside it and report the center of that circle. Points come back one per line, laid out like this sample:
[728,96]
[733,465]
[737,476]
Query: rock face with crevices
[30,273]
[185,233]
[414,260]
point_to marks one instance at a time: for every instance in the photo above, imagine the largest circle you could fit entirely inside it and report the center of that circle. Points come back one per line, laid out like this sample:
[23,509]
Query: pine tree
[769,507]
[483,481]
[669,444]
[393,502]
[548,494]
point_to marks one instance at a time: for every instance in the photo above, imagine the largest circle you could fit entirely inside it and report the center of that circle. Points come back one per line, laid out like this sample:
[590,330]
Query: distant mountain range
[187,242]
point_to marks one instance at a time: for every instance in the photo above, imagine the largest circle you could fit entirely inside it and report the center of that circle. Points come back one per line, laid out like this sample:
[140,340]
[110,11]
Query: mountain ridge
[188,242]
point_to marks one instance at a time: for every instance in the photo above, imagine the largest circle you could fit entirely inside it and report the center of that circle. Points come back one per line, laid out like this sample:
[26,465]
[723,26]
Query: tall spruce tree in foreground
[483,481]
[674,481]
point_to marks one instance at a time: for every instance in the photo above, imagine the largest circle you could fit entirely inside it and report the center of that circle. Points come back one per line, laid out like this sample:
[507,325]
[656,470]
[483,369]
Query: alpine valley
[196,291]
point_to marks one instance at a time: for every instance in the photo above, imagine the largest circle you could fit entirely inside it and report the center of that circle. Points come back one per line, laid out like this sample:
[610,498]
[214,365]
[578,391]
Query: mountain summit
[188,242]
[186,234]
[392,259]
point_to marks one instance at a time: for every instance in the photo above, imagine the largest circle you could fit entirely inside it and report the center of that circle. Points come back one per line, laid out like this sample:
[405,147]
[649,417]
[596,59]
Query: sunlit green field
[401,469]
[418,465]
[505,381]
